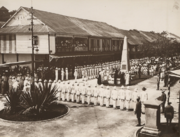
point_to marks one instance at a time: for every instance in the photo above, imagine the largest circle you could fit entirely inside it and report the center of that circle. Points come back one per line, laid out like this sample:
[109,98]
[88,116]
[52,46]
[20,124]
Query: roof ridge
[64,15]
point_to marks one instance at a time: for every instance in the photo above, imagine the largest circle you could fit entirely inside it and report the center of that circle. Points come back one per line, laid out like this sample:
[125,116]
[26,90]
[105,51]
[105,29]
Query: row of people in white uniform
[144,69]
[87,71]
[91,71]
[83,92]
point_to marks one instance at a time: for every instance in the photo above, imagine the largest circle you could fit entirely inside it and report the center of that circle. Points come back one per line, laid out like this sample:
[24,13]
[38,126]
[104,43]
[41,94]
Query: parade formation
[106,80]
[82,91]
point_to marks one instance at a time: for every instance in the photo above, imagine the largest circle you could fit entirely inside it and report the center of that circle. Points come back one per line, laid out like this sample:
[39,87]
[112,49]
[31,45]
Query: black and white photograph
[89,68]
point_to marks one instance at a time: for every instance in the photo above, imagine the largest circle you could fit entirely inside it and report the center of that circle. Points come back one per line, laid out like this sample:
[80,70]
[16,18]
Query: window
[35,40]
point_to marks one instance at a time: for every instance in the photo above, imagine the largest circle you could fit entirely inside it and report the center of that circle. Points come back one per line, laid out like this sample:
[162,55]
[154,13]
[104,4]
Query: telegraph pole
[179,112]
[32,47]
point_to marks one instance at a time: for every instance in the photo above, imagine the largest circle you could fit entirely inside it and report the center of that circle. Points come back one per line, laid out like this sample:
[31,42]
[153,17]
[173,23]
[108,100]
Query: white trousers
[63,96]
[95,100]
[122,104]
[101,101]
[134,105]
[107,102]
[72,97]
[68,96]
[89,99]
[127,104]
[114,103]
[77,98]
[83,99]
[143,107]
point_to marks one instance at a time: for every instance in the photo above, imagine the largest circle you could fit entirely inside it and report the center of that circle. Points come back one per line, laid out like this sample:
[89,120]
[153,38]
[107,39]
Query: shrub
[38,100]
[13,100]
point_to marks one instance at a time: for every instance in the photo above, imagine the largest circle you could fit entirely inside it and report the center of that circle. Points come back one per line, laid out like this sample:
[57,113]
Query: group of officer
[86,71]
[103,95]
[19,81]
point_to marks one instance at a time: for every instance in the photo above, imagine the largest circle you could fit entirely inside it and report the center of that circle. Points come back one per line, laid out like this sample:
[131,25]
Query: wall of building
[22,18]
[8,43]
[0,59]
[24,44]
[8,58]
[25,57]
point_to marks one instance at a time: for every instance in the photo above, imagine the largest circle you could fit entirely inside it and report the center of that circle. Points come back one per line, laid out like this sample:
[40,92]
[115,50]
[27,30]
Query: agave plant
[13,100]
[38,100]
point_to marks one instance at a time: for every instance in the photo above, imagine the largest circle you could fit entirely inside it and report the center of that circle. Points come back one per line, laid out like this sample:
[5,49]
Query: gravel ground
[88,121]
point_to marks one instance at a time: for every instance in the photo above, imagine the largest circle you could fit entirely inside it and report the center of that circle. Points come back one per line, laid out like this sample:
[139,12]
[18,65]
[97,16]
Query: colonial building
[60,39]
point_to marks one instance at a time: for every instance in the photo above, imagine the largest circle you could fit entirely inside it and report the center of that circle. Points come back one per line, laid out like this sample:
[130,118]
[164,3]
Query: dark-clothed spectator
[158,81]
[169,113]
[99,79]
[163,99]
[138,111]
[115,77]
[166,80]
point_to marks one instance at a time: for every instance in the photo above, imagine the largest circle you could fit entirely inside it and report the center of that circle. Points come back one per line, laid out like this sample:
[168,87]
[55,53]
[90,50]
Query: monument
[152,124]
[125,65]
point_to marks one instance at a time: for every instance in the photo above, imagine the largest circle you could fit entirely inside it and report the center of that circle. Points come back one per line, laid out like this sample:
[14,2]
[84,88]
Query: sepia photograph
[89,68]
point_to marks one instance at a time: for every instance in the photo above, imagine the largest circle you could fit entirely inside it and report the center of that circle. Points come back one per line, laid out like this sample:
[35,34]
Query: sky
[145,15]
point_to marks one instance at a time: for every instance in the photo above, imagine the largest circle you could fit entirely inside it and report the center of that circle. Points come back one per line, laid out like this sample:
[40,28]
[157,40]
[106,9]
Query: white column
[13,44]
[7,44]
[2,44]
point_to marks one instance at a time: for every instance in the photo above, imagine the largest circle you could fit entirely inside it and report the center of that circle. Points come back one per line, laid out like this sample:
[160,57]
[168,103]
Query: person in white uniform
[114,95]
[108,96]
[89,95]
[73,92]
[56,74]
[68,92]
[62,74]
[96,94]
[134,98]
[49,84]
[66,73]
[59,89]
[75,75]
[101,96]
[83,94]
[144,97]
[63,91]
[122,97]
[77,93]
[128,98]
